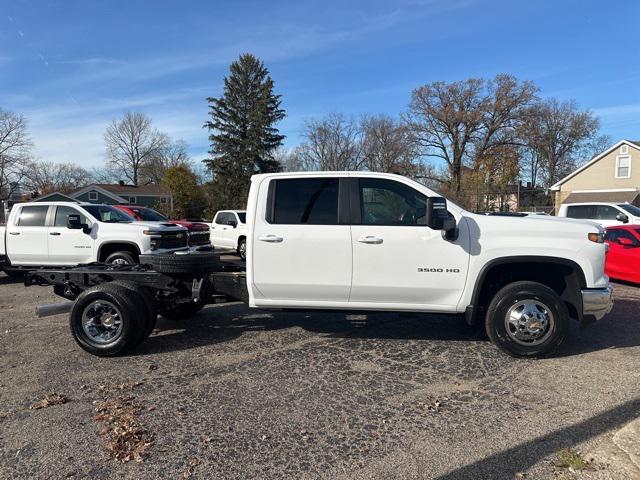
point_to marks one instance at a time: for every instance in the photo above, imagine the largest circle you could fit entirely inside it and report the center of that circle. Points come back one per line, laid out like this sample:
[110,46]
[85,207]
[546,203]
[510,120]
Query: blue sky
[72,66]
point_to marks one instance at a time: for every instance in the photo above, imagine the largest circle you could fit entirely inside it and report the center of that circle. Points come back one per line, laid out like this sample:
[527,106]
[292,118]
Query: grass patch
[569,458]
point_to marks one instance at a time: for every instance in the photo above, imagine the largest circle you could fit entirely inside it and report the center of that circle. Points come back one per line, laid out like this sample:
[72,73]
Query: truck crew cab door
[397,259]
[67,246]
[300,251]
[27,236]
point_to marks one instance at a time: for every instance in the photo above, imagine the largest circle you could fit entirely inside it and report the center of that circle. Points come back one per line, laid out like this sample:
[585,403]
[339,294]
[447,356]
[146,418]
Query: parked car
[623,258]
[607,214]
[229,230]
[198,231]
[68,233]
[369,241]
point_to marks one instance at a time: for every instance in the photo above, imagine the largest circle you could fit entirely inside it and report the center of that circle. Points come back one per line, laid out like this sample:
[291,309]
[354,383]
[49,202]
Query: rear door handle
[371,240]
[14,233]
[270,239]
[54,233]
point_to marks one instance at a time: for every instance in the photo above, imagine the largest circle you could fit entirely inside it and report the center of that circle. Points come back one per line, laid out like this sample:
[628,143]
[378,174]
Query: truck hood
[536,223]
[160,226]
[191,226]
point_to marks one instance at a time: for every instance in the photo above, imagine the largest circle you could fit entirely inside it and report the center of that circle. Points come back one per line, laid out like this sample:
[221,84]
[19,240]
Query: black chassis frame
[168,288]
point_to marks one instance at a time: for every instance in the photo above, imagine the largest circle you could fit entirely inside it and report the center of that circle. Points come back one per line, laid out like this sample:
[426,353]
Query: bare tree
[556,134]
[46,177]
[170,154]
[288,159]
[462,122]
[332,143]
[388,146]
[15,152]
[131,143]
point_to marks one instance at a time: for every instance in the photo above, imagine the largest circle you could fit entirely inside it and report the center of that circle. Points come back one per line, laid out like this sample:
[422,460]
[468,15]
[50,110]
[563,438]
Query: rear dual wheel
[111,318]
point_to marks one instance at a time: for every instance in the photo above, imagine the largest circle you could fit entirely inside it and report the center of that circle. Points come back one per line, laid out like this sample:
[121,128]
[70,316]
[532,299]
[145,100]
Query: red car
[198,231]
[623,258]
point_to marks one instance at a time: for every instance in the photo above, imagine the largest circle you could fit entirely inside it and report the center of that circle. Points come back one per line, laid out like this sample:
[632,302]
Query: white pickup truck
[368,241]
[67,233]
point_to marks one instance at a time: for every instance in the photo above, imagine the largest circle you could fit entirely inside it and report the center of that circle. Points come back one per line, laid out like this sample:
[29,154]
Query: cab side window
[222,218]
[614,235]
[605,212]
[581,211]
[310,201]
[62,215]
[33,216]
[387,202]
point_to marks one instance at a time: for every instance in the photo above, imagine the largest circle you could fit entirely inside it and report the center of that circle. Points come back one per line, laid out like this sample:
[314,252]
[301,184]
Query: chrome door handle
[270,239]
[371,240]
[14,233]
[54,233]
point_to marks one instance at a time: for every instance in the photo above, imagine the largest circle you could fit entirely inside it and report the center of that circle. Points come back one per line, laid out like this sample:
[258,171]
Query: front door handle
[14,233]
[54,233]
[371,240]
[270,239]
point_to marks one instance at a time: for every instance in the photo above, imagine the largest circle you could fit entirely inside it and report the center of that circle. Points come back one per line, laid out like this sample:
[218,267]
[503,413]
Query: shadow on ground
[523,456]
[221,323]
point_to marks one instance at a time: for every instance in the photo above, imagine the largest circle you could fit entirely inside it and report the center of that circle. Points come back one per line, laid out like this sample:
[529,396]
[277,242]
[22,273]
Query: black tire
[121,257]
[148,301]
[126,304]
[242,249]
[192,262]
[550,338]
[183,311]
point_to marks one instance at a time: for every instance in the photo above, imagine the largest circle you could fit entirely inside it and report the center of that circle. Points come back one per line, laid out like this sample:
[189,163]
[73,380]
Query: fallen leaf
[49,400]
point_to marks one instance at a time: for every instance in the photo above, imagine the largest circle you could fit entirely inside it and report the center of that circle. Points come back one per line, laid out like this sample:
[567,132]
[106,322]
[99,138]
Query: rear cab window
[33,216]
[581,211]
[305,201]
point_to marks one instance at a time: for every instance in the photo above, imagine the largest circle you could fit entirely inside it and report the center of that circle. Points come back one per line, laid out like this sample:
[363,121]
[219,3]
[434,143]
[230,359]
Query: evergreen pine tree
[243,137]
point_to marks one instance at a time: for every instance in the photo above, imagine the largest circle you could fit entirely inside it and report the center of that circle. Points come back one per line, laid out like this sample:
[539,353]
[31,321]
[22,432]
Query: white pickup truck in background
[229,230]
[67,233]
[607,214]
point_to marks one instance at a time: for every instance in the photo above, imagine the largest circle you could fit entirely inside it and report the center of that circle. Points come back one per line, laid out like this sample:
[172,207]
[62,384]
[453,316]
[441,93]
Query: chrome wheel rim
[102,322]
[243,249]
[529,322]
[119,261]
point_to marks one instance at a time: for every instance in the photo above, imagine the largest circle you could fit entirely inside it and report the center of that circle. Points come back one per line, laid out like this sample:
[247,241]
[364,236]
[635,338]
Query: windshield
[107,214]
[632,209]
[149,215]
[242,216]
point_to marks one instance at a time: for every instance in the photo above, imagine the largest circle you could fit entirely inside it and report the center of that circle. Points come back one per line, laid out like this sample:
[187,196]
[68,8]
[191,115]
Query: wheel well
[109,248]
[564,278]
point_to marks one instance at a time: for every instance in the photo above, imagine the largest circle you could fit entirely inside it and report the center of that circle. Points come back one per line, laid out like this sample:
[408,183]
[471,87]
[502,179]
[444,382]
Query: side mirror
[621,217]
[626,242]
[73,222]
[232,223]
[439,218]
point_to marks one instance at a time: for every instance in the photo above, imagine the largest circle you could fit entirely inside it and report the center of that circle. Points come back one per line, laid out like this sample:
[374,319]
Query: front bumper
[596,303]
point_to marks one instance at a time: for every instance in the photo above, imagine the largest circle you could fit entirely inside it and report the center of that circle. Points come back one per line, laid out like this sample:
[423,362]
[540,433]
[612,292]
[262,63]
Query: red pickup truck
[198,231]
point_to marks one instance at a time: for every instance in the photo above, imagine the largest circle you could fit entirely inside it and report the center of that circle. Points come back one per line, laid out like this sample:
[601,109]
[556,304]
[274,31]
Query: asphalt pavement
[235,394]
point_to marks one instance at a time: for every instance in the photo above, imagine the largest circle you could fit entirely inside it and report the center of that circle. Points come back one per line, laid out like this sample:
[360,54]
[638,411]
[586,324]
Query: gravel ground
[237,394]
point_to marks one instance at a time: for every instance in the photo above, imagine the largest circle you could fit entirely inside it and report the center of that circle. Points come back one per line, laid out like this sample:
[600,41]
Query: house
[112,194]
[612,176]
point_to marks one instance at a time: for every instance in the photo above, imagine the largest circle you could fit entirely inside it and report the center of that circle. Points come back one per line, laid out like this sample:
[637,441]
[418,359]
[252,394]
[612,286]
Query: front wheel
[527,319]
[242,249]
[121,258]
